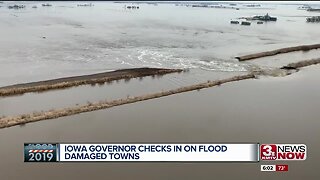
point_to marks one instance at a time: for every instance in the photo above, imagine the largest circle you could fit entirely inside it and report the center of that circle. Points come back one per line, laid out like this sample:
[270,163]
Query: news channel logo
[40,152]
[283,152]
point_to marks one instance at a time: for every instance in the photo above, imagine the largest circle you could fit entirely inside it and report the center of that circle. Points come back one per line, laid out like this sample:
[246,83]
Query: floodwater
[64,40]
[32,102]
[83,40]
[267,110]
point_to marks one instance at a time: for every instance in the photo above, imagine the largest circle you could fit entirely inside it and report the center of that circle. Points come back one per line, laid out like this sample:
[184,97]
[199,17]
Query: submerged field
[64,40]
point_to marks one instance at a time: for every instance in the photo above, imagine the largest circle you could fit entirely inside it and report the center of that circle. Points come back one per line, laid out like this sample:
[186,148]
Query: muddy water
[65,40]
[106,37]
[284,59]
[267,110]
[32,102]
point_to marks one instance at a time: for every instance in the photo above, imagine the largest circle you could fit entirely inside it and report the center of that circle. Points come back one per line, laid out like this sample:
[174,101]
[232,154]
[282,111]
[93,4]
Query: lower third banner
[158,152]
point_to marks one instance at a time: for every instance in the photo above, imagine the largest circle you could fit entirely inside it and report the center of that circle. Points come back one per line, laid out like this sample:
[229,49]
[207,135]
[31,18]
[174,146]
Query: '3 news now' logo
[283,152]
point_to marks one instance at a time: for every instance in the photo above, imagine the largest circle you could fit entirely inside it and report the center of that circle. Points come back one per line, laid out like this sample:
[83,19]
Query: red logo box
[268,152]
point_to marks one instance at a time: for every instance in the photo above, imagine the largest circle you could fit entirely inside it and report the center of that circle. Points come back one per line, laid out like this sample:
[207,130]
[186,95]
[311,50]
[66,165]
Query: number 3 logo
[267,150]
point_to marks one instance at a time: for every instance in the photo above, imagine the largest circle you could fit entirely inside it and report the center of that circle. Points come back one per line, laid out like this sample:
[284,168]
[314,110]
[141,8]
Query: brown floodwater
[266,110]
[66,40]
[284,59]
[56,99]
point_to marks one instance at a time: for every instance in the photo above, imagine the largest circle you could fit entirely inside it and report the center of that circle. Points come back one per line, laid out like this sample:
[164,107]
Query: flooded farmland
[66,40]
